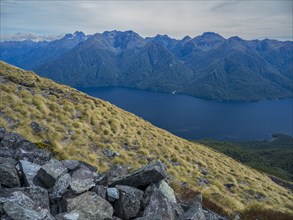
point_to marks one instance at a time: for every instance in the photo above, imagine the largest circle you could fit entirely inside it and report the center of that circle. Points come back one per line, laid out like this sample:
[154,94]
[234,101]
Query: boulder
[10,139]
[142,177]
[74,215]
[60,186]
[116,171]
[100,190]
[89,206]
[102,180]
[127,205]
[8,161]
[79,186]
[17,197]
[152,217]
[26,150]
[37,194]
[9,176]
[88,166]
[6,152]
[49,173]
[159,205]
[36,127]
[83,173]
[29,171]
[2,133]
[18,212]
[209,215]
[112,194]
[167,191]
[19,205]
[71,164]
[82,180]
[229,185]
[193,213]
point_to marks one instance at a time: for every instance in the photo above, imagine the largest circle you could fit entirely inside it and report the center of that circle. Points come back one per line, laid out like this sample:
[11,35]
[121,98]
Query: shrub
[257,212]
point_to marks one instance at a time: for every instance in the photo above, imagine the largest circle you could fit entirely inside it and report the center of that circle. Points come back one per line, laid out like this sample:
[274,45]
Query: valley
[73,125]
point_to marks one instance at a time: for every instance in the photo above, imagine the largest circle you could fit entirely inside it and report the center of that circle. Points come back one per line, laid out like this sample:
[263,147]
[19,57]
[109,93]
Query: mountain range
[207,66]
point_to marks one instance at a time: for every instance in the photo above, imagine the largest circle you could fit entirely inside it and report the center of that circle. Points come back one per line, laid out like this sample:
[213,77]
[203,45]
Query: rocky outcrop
[36,186]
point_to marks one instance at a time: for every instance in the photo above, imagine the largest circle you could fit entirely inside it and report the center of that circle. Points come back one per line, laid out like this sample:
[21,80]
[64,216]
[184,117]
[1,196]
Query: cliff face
[73,125]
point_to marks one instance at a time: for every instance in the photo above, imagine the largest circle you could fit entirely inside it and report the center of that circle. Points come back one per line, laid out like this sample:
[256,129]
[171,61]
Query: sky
[48,19]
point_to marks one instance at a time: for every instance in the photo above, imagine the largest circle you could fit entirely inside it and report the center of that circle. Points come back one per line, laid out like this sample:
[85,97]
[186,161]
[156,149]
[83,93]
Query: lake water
[194,118]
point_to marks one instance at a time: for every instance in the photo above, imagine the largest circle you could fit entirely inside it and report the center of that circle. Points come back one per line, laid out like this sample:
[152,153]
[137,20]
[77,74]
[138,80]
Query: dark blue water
[194,118]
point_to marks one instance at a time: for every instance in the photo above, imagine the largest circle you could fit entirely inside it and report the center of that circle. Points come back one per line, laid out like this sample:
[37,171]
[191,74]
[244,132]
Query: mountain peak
[235,38]
[209,35]
[122,39]
[76,35]
[186,38]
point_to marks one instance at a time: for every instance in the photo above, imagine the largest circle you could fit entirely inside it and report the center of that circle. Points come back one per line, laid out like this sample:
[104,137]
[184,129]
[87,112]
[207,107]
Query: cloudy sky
[249,19]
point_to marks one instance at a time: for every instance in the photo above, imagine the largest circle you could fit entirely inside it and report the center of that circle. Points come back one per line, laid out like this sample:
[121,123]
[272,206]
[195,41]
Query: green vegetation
[77,126]
[274,157]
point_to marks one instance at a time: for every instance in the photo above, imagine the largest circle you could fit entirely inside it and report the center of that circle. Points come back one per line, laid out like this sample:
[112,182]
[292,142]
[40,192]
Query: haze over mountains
[208,66]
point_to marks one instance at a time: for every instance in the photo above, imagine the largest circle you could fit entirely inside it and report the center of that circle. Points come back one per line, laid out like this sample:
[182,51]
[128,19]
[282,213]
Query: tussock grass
[78,126]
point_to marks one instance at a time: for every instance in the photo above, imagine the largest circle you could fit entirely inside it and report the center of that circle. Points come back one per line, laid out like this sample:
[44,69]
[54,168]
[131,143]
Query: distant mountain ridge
[207,66]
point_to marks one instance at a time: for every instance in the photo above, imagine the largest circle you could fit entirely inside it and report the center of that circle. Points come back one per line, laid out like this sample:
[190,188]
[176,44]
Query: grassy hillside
[75,125]
[274,157]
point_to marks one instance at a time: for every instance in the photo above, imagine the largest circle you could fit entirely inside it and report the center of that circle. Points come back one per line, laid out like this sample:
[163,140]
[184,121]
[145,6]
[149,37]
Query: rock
[166,190]
[203,181]
[193,213]
[17,212]
[159,205]
[88,166]
[102,180]
[36,127]
[204,172]
[110,153]
[49,173]
[89,206]
[46,215]
[100,190]
[60,186]
[6,152]
[68,216]
[116,171]
[82,180]
[151,217]
[142,177]
[26,150]
[23,203]
[2,133]
[112,194]
[17,197]
[10,139]
[29,171]
[185,184]
[38,195]
[83,173]
[128,204]
[9,176]
[229,185]
[209,215]
[71,164]
[79,186]
[8,161]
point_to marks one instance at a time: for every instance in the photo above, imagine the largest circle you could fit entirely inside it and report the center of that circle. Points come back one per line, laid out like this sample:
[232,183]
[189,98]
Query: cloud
[247,19]
[28,36]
